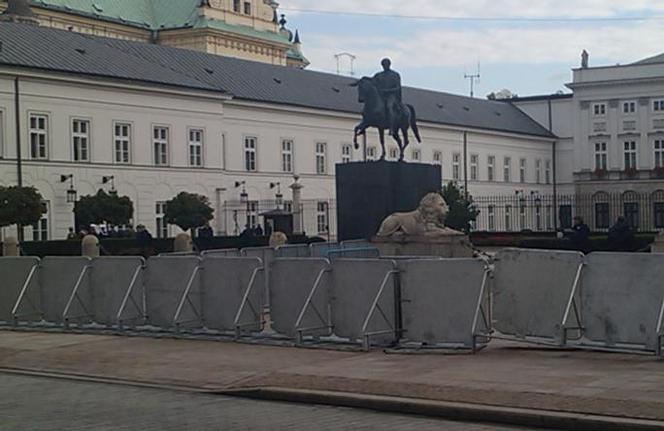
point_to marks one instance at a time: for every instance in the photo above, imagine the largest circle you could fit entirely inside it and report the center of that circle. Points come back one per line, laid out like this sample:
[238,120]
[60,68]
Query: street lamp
[109,179]
[278,197]
[244,196]
[71,192]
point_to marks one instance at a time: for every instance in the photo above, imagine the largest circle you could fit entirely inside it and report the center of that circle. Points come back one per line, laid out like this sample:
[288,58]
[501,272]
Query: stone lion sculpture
[427,220]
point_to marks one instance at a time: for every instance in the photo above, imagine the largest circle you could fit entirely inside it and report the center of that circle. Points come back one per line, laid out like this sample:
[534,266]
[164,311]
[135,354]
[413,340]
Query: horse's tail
[413,123]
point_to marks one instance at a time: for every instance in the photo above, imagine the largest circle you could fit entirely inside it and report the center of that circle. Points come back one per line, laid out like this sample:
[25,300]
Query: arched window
[631,208]
[602,210]
[657,199]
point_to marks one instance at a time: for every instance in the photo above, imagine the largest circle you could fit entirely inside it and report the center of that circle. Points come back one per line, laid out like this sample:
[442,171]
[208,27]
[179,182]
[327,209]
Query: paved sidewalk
[628,386]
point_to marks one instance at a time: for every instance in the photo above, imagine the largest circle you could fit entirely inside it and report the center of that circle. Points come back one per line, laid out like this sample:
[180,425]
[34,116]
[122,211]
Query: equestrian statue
[384,109]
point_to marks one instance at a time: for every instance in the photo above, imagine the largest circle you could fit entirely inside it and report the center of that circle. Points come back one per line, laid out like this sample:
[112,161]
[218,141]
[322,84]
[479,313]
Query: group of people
[250,232]
[620,238]
[103,231]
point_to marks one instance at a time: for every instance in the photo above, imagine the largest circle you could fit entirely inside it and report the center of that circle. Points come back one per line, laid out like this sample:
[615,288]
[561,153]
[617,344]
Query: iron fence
[541,213]
[319,216]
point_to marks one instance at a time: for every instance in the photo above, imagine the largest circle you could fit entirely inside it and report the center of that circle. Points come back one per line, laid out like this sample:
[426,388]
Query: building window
[602,215]
[122,142]
[565,216]
[40,229]
[538,215]
[599,109]
[547,172]
[491,168]
[196,147]
[346,153]
[371,153]
[80,137]
[632,214]
[237,5]
[321,158]
[630,155]
[522,170]
[322,216]
[160,145]
[288,206]
[438,157]
[601,156]
[393,153]
[629,107]
[538,171]
[492,217]
[474,166]
[247,8]
[287,155]
[38,136]
[658,209]
[659,153]
[456,166]
[658,105]
[507,169]
[250,153]
[416,155]
[508,218]
[160,223]
[252,214]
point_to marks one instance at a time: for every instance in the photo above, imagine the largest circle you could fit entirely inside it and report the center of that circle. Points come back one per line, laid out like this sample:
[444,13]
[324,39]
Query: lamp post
[278,197]
[244,198]
[71,191]
[109,179]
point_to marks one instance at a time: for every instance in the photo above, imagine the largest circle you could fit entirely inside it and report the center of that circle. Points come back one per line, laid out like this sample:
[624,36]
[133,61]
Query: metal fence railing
[540,213]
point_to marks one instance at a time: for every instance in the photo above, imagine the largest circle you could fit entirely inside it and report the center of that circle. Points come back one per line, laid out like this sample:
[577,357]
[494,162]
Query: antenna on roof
[474,79]
[343,55]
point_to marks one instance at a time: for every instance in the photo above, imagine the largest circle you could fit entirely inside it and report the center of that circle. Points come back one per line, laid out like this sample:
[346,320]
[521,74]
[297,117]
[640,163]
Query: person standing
[580,237]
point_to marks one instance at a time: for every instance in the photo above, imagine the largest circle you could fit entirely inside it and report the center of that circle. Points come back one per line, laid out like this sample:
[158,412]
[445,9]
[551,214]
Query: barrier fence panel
[299,296]
[58,278]
[442,299]
[227,252]
[229,284]
[110,277]
[622,296]
[18,273]
[354,253]
[267,256]
[320,249]
[166,281]
[363,299]
[295,250]
[355,243]
[533,292]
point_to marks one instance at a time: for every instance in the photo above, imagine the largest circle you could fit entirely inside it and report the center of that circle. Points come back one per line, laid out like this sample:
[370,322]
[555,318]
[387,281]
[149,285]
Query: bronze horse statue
[375,115]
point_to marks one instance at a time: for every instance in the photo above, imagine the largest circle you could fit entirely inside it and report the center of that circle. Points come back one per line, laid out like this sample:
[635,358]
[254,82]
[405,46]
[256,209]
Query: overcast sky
[530,55]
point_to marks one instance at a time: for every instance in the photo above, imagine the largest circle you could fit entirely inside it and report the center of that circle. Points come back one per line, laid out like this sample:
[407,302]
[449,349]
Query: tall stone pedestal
[444,246]
[367,192]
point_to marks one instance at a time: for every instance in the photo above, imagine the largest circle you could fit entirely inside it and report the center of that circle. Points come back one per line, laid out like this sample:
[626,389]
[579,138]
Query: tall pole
[19,160]
[465,164]
[554,167]
[17,107]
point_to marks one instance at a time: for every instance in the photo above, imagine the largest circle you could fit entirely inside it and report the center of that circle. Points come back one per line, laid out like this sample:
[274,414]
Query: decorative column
[296,188]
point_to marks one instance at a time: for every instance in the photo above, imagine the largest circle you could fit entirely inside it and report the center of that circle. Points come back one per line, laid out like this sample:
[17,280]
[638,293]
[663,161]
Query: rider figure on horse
[388,83]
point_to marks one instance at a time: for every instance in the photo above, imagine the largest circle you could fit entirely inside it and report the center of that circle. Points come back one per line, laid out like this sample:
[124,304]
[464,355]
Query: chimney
[19,11]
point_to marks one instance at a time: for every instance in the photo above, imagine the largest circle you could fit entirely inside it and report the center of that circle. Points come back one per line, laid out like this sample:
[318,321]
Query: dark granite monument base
[367,192]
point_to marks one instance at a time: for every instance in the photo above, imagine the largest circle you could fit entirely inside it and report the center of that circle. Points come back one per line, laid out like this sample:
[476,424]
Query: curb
[451,411]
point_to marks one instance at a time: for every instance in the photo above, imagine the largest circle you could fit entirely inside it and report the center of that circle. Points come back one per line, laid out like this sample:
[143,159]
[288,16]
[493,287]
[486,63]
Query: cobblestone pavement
[37,403]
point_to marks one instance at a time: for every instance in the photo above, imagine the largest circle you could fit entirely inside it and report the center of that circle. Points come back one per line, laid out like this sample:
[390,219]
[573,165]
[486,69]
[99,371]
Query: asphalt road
[39,403]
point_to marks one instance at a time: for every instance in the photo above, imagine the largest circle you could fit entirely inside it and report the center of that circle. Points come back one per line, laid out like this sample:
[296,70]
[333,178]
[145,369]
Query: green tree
[104,207]
[22,206]
[462,211]
[188,211]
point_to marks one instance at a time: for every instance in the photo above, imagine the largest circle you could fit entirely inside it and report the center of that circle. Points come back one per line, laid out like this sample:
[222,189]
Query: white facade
[83,127]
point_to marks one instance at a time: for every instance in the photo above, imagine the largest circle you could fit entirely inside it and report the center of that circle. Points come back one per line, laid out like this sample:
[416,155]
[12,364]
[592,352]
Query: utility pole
[474,78]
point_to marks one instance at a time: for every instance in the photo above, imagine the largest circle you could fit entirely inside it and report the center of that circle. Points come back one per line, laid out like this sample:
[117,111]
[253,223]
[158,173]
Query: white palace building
[151,120]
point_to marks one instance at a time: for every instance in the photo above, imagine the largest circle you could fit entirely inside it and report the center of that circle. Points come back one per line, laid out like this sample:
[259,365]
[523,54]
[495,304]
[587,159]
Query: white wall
[225,123]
